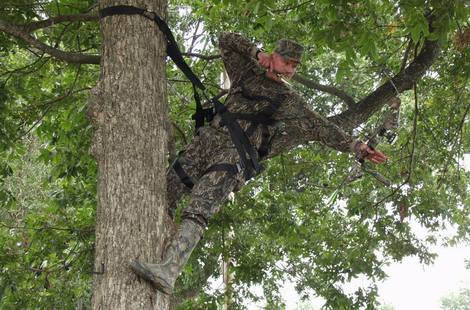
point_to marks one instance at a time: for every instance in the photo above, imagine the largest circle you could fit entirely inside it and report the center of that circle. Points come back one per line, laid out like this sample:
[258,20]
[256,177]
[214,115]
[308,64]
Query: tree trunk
[128,110]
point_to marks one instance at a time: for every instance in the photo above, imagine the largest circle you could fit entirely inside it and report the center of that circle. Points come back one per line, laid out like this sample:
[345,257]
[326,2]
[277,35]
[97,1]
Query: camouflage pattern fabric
[289,49]
[251,92]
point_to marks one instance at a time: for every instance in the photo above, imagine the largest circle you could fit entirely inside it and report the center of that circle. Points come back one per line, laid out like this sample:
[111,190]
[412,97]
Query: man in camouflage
[256,86]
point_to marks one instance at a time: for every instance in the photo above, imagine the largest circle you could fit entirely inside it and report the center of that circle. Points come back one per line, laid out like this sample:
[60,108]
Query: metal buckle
[239,167]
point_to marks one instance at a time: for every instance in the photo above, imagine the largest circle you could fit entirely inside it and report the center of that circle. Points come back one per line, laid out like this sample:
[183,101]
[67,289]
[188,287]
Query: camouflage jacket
[295,123]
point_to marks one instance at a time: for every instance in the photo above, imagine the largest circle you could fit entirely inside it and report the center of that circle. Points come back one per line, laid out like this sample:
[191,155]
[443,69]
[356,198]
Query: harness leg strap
[184,177]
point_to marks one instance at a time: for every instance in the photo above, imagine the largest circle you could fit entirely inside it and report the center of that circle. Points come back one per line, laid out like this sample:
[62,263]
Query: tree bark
[128,110]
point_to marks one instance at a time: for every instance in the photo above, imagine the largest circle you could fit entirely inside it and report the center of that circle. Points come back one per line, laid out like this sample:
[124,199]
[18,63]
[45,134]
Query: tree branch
[402,81]
[325,88]
[405,56]
[70,57]
[181,132]
[59,19]
[195,36]
[289,8]
[205,57]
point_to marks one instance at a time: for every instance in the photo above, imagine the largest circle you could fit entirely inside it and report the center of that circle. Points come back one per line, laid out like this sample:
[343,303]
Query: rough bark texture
[128,110]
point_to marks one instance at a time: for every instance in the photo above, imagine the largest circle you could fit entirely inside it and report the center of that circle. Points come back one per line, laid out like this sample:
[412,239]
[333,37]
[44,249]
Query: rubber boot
[163,276]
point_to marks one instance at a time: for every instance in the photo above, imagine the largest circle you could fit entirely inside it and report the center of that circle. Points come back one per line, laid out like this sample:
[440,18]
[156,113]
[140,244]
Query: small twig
[188,81]
[21,33]
[195,37]
[180,131]
[32,70]
[59,38]
[202,56]
[177,94]
[51,103]
[44,228]
[292,7]
[405,56]
[60,19]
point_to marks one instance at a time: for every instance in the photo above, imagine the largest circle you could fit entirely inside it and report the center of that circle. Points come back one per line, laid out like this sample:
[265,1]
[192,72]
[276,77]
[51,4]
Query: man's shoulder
[258,84]
[232,36]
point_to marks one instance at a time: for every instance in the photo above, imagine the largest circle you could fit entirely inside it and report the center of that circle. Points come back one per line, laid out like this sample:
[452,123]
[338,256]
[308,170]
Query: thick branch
[325,88]
[70,57]
[59,19]
[402,81]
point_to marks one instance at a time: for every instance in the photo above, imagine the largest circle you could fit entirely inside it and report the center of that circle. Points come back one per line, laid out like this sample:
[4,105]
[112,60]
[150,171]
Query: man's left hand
[264,60]
[364,151]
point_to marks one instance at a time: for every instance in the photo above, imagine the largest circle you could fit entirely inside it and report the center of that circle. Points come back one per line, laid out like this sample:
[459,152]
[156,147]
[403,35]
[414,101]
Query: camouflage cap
[289,49]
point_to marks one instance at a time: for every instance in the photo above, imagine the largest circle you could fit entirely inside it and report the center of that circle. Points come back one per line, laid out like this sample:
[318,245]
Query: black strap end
[121,10]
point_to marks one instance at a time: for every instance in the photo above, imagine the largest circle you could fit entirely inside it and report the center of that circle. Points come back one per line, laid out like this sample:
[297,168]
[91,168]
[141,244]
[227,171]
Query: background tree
[300,219]
[129,114]
[457,301]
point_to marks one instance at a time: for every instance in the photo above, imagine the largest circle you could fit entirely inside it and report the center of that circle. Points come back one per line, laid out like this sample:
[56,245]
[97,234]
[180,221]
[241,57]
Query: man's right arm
[230,42]
[315,127]
[237,53]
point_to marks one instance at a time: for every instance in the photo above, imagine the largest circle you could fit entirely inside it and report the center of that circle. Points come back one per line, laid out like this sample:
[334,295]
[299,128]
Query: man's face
[284,66]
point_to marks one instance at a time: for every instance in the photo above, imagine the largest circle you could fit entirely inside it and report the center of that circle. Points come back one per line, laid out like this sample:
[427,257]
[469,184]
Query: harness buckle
[239,167]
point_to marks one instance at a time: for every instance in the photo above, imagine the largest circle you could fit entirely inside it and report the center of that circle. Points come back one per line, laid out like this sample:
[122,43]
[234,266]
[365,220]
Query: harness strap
[121,10]
[201,113]
[263,149]
[264,118]
[246,151]
[184,177]
[172,48]
[251,130]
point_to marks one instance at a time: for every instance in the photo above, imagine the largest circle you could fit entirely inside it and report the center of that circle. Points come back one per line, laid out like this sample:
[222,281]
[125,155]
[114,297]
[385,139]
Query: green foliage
[457,301]
[48,179]
[46,232]
[300,219]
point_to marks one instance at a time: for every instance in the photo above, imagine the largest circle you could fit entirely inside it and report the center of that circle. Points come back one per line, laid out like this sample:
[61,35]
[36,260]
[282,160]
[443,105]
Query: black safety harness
[249,155]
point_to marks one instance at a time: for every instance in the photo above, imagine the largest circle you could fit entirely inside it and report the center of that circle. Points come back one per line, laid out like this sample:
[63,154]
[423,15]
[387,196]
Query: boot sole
[146,274]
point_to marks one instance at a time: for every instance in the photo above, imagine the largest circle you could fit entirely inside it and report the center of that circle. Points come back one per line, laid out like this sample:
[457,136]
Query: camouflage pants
[211,190]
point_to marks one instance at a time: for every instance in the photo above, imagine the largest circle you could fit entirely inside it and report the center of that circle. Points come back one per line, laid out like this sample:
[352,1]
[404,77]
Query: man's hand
[363,151]
[264,60]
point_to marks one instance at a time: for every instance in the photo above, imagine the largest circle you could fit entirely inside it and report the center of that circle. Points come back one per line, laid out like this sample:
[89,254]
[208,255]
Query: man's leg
[209,146]
[208,195]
